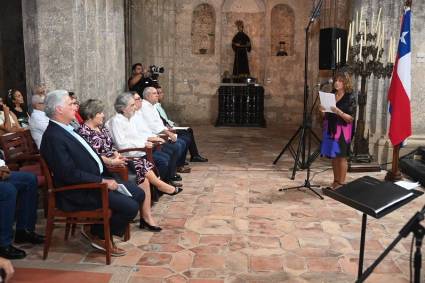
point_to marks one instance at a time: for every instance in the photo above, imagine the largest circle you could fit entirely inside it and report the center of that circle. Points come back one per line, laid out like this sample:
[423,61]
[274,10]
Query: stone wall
[76,45]
[161,34]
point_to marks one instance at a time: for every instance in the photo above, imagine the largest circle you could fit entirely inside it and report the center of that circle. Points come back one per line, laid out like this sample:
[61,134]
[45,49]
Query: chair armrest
[122,171]
[86,186]
[132,149]
[24,157]
[147,150]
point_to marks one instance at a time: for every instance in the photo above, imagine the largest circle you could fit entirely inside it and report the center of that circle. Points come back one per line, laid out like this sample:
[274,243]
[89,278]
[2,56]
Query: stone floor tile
[206,281]
[323,264]
[208,261]
[219,240]
[182,261]
[131,258]
[155,259]
[153,272]
[176,279]
[266,263]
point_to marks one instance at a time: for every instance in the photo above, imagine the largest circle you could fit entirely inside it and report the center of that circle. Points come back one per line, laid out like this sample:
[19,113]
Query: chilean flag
[399,92]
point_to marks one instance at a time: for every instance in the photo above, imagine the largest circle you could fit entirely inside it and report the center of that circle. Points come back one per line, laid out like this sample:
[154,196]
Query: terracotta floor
[230,224]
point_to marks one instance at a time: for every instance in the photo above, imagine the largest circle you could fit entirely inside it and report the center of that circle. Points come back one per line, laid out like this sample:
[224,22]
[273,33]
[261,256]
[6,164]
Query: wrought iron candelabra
[364,58]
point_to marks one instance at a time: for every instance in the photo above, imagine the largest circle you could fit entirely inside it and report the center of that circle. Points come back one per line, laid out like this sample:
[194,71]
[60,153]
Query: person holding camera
[17,188]
[8,120]
[140,79]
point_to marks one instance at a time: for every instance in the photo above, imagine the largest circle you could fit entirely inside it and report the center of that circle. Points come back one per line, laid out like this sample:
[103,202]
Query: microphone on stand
[323,83]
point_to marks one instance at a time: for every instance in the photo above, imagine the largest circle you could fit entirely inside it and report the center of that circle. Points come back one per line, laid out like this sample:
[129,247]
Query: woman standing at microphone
[337,128]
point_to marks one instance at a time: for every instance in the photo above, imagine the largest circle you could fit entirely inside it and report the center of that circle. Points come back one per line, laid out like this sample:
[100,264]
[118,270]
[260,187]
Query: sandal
[177,190]
[335,184]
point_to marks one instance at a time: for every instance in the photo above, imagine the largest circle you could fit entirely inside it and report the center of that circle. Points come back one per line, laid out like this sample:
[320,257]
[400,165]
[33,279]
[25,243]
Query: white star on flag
[402,37]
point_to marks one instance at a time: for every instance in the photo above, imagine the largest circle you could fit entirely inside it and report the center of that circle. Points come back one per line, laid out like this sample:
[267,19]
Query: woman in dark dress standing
[17,106]
[337,128]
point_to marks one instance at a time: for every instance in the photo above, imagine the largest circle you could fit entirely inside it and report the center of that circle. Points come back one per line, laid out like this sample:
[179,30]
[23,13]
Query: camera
[155,71]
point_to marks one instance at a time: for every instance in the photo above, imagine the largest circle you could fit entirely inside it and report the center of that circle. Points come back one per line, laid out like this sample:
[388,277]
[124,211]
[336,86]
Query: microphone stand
[414,226]
[304,131]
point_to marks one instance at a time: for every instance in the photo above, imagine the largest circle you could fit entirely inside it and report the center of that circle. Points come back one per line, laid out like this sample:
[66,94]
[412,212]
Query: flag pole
[394,174]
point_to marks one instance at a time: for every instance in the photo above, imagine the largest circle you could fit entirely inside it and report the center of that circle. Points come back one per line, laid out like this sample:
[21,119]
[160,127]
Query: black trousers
[124,209]
[189,138]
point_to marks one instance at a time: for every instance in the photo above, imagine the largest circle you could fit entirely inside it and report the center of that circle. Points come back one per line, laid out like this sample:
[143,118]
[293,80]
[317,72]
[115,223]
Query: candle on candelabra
[379,16]
[348,43]
[339,50]
[365,30]
[378,36]
[361,18]
[371,27]
[352,34]
[389,49]
[382,36]
[394,51]
[357,22]
[361,48]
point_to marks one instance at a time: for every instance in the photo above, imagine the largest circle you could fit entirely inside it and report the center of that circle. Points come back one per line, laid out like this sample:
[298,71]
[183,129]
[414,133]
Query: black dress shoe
[10,252]
[145,225]
[177,190]
[25,236]
[177,177]
[198,158]
[186,163]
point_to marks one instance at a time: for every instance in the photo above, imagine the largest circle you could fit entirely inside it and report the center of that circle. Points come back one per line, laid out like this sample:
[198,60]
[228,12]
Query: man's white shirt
[125,134]
[38,123]
[151,117]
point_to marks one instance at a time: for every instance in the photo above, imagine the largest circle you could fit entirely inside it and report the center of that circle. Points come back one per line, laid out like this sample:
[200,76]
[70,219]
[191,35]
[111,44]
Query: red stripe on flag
[400,124]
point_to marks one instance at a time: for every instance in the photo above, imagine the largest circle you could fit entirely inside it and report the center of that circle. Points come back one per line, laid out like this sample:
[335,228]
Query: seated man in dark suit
[73,161]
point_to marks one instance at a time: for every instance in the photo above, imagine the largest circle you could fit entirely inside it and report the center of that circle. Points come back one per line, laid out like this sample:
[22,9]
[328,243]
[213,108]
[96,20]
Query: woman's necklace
[339,96]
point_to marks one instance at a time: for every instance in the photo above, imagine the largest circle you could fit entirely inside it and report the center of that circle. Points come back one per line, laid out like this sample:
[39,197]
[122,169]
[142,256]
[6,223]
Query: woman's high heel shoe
[177,190]
[145,225]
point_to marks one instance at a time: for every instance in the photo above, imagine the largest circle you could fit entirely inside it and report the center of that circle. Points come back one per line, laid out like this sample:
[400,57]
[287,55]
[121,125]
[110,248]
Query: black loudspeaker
[413,165]
[327,47]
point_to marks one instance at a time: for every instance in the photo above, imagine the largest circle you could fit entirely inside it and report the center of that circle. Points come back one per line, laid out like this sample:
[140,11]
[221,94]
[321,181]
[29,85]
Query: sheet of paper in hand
[327,100]
[123,190]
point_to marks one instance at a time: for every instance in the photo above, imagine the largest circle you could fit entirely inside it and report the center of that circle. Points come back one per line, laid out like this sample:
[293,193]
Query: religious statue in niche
[241,45]
[282,49]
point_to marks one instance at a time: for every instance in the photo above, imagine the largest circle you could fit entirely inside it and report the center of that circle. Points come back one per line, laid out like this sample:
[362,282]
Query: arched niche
[282,22]
[203,29]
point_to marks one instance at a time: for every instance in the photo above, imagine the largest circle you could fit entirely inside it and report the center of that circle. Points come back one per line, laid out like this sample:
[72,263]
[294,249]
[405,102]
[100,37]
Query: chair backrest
[31,145]
[13,145]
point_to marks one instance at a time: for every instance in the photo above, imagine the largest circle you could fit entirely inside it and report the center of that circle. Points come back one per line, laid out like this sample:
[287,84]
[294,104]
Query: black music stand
[374,198]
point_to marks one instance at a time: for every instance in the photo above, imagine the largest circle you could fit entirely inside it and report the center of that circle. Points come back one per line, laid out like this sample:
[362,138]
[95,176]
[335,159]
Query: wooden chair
[21,153]
[56,215]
